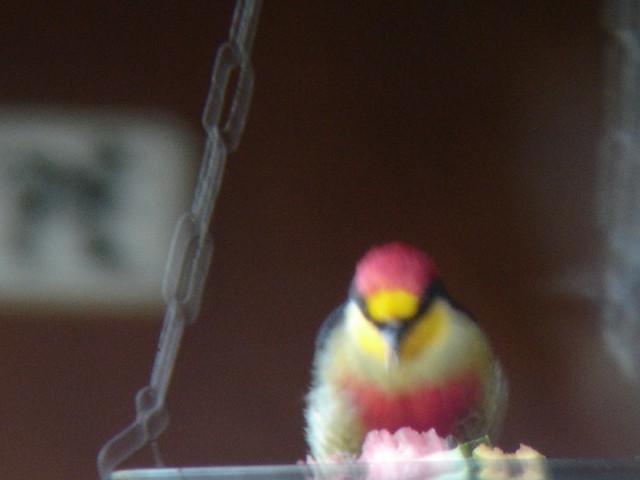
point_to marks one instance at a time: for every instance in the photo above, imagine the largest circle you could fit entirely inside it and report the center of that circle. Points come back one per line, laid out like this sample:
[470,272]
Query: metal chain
[223,119]
[622,124]
[619,185]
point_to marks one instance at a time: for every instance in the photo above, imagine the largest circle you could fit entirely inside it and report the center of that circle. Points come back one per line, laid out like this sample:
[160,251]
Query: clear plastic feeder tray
[556,469]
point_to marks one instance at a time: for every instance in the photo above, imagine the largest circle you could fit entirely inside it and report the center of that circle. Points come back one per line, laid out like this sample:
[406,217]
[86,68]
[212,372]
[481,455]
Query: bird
[400,352]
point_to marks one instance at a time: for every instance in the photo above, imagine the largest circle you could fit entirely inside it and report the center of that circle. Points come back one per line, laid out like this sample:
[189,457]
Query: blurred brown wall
[468,128]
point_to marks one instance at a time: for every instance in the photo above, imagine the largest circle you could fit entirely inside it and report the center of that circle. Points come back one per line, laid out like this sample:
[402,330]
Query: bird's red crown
[394,266]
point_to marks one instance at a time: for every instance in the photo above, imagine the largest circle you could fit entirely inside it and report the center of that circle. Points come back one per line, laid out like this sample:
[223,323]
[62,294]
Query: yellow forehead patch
[392,305]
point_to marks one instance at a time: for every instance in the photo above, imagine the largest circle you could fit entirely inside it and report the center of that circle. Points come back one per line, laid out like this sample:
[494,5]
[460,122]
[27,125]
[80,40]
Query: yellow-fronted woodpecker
[400,353]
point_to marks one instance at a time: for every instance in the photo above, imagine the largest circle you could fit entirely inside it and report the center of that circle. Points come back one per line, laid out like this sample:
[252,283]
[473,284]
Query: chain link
[223,118]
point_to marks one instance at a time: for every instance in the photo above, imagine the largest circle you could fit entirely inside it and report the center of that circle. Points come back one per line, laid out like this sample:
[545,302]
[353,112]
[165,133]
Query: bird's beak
[390,333]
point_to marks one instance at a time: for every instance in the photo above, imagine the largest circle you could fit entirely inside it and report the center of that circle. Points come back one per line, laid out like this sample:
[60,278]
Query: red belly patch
[438,407]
